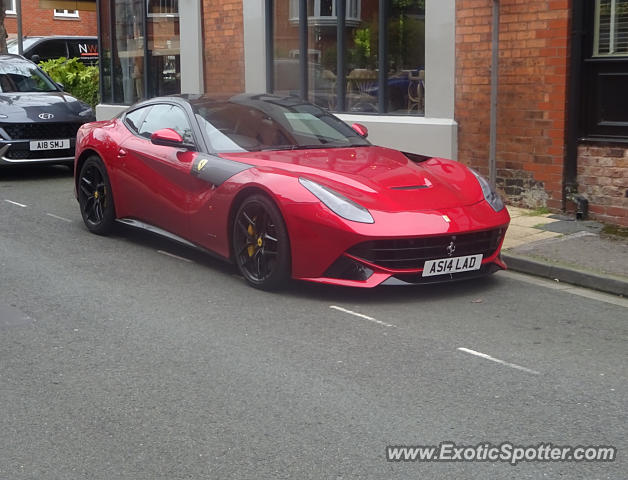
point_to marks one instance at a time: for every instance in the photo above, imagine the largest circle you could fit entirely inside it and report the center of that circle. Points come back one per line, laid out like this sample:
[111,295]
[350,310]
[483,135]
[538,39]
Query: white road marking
[360,315]
[15,203]
[497,360]
[59,218]
[568,288]
[172,255]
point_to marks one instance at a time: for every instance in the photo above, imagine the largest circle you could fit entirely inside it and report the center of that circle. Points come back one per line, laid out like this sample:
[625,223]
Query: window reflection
[129,46]
[405,71]
[163,47]
[406,57]
[141,51]
[286,49]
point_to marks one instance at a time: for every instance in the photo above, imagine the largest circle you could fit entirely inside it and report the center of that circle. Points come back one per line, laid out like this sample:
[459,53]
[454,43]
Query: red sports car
[284,189]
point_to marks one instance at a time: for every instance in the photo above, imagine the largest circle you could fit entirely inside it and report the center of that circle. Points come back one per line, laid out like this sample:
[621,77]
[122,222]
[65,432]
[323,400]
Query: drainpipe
[18,12]
[570,172]
[492,157]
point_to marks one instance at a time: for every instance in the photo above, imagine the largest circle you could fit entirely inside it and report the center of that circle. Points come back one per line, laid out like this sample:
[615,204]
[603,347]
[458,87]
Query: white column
[191,46]
[254,46]
[440,58]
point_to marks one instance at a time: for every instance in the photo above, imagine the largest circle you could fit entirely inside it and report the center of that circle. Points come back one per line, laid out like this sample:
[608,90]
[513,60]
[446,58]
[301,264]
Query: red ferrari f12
[285,190]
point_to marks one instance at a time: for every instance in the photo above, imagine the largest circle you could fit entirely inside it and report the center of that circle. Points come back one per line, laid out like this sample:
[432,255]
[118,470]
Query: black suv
[38,120]
[39,49]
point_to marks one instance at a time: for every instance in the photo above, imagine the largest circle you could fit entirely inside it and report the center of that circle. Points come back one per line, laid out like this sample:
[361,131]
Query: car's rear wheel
[261,246]
[95,198]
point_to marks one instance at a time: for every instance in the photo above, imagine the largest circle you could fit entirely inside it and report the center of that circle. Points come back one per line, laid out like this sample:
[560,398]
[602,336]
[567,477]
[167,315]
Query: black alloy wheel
[95,198]
[261,247]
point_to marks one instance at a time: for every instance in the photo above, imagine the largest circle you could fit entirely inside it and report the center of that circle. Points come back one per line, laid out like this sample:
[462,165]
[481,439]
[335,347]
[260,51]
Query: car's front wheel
[95,198]
[261,246]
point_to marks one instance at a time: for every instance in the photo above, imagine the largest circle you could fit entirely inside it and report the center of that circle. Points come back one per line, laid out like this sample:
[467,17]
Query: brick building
[37,21]
[417,73]
[562,107]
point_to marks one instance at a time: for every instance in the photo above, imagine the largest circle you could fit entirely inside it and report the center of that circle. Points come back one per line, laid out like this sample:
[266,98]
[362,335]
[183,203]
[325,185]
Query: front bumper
[17,152]
[326,249]
[15,141]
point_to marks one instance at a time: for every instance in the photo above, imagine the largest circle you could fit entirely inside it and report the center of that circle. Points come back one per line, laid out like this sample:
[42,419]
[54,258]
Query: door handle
[121,153]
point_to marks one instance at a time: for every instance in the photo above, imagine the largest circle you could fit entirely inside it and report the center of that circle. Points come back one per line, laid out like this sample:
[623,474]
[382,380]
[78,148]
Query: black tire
[261,247]
[95,197]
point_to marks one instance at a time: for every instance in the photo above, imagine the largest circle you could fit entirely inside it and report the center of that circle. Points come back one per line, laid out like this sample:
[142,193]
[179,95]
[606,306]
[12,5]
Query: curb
[574,276]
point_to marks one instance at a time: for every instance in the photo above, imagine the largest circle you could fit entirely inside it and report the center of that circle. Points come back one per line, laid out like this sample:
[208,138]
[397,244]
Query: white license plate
[50,144]
[443,266]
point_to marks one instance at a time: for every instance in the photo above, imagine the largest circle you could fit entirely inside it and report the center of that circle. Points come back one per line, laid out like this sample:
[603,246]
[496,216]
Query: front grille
[41,131]
[411,253]
[15,154]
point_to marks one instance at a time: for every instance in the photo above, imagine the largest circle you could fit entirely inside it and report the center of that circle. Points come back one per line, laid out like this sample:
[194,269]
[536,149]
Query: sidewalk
[567,250]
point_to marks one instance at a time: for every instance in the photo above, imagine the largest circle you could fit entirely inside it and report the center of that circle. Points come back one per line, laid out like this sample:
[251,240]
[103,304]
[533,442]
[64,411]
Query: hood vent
[415,157]
[410,187]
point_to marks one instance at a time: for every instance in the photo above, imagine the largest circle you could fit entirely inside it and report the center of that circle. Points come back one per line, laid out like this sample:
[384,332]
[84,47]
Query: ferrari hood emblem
[446,218]
[201,164]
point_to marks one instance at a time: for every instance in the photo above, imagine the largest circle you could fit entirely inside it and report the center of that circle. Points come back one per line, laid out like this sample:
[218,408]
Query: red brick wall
[37,21]
[603,179]
[533,53]
[223,31]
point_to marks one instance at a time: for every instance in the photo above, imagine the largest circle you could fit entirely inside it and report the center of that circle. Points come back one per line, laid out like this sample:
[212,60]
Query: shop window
[361,60]
[140,49]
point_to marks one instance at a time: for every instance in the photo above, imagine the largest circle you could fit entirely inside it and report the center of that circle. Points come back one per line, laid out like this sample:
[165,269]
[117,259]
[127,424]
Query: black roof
[205,98]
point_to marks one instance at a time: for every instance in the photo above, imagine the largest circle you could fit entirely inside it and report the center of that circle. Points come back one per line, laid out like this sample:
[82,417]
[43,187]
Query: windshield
[21,76]
[245,123]
[26,44]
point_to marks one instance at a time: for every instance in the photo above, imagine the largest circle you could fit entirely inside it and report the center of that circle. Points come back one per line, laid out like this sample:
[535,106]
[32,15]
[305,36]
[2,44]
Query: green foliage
[409,4]
[78,79]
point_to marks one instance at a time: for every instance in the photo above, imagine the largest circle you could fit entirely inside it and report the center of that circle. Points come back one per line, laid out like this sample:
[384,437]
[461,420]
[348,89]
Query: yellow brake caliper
[251,248]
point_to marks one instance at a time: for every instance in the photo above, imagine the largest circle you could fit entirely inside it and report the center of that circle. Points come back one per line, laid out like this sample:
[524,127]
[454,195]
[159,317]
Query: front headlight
[340,205]
[87,113]
[491,196]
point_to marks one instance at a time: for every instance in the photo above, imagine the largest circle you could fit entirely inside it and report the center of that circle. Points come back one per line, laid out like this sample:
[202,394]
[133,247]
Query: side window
[133,119]
[167,116]
[49,49]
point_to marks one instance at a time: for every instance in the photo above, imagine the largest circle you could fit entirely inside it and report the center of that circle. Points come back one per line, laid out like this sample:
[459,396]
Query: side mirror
[60,85]
[35,58]
[168,138]
[360,130]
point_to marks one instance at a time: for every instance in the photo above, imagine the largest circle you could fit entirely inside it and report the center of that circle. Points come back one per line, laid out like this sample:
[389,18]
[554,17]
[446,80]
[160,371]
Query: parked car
[285,189]
[38,120]
[38,49]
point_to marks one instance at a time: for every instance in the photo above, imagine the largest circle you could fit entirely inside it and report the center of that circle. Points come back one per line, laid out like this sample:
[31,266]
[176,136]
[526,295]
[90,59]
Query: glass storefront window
[163,47]
[322,63]
[403,62]
[141,53]
[128,58]
[285,50]
[362,60]
[406,57]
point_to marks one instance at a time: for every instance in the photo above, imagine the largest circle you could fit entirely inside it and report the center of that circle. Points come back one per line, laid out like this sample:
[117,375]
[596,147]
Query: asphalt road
[130,357]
